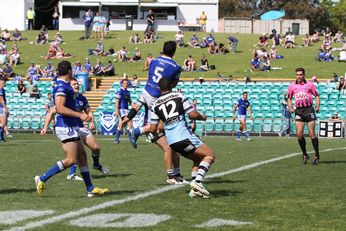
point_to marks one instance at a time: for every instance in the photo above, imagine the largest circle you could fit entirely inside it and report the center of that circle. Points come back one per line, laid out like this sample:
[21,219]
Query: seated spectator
[5,35]
[194,41]
[14,58]
[213,49]
[190,64]
[44,30]
[277,40]
[338,37]
[17,35]
[263,40]
[205,63]
[35,93]
[306,40]
[255,64]
[30,85]
[179,38]
[41,39]
[52,51]
[122,54]
[39,72]
[21,87]
[273,52]
[314,79]
[48,70]
[135,39]
[88,67]
[98,69]
[211,40]
[325,56]
[335,116]
[109,69]
[342,56]
[290,41]
[326,44]
[341,85]
[110,52]
[147,62]
[3,57]
[222,49]
[77,69]
[261,53]
[31,70]
[58,38]
[315,37]
[8,71]
[98,50]
[265,64]
[204,43]
[149,34]
[247,79]
[3,46]
[137,55]
[135,81]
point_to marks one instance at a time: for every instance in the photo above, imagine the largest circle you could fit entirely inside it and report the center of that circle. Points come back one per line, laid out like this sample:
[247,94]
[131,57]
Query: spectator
[247,79]
[39,72]
[263,41]
[55,18]
[107,25]
[306,40]
[290,41]
[204,43]
[8,71]
[77,69]
[265,64]
[205,63]
[273,52]
[327,43]
[135,81]
[3,57]
[31,70]
[338,38]
[87,20]
[287,118]
[97,26]
[98,69]
[232,41]
[213,49]
[88,66]
[44,30]
[21,87]
[102,24]
[149,35]
[342,56]
[3,46]
[14,58]
[203,21]
[335,117]
[147,62]
[109,69]
[276,38]
[17,35]
[315,37]
[122,54]
[41,39]
[179,38]
[150,19]
[30,85]
[255,64]
[194,41]
[58,38]
[314,79]
[30,15]
[99,51]
[35,93]
[341,85]
[137,55]
[135,39]
[211,40]
[190,64]
[5,35]
[48,70]
[222,49]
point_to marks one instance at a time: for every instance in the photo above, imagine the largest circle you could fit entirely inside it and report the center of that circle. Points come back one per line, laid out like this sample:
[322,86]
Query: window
[76,11]
[120,12]
[160,13]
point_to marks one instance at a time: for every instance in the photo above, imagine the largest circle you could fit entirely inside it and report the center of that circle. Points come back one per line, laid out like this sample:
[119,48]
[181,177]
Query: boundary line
[83,211]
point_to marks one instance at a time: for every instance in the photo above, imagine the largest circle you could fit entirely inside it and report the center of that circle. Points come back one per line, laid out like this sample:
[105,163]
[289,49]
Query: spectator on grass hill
[137,56]
[338,37]
[87,20]
[109,69]
[134,39]
[88,67]
[232,41]
[14,58]
[205,63]
[8,71]
[179,38]
[306,40]
[5,35]
[41,39]
[190,64]
[98,69]
[194,41]
[290,41]
[17,35]
[263,40]
[77,69]
[122,54]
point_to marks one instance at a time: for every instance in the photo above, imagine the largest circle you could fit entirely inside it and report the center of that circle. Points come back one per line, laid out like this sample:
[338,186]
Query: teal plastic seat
[35,124]
[210,125]
[219,125]
[277,125]
[257,126]
[267,125]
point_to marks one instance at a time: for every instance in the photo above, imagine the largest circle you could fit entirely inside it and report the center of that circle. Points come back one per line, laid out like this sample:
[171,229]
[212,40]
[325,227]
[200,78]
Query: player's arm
[51,113]
[90,113]
[235,109]
[117,107]
[250,111]
[195,115]
[318,101]
[289,100]
[2,102]
[63,110]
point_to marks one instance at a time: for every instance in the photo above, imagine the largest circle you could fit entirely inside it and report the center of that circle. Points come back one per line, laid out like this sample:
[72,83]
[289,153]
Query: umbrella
[273,14]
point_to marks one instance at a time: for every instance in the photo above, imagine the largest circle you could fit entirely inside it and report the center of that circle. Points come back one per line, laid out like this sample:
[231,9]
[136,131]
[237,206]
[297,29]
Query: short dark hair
[165,84]
[300,69]
[245,92]
[169,48]
[64,67]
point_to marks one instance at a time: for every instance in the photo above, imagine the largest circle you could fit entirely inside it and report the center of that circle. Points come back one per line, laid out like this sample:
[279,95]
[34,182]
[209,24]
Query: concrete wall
[13,14]
[249,26]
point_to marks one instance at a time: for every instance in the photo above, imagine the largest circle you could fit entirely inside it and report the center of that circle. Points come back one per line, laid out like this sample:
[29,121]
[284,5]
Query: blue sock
[117,135]
[58,167]
[246,135]
[73,169]
[84,171]
[96,160]
[238,134]
[1,133]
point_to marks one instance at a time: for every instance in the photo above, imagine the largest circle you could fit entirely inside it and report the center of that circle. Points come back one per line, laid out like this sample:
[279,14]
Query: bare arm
[90,113]
[63,110]
[47,120]
[197,116]
[318,100]
[2,102]
[117,107]
[289,103]
[250,111]
[235,109]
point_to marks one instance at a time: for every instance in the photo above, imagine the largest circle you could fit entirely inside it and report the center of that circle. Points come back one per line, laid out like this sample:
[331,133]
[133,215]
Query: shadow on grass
[333,162]
[224,193]
[16,190]
[111,175]
[121,192]
[221,181]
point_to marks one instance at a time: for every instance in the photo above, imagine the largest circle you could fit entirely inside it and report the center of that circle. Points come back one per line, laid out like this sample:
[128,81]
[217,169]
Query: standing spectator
[102,23]
[97,26]
[147,62]
[30,15]
[302,91]
[55,17]
[150,19]
[21,87]
[203,21]
[87,20]
[234,41]
[108,24]
[287,118]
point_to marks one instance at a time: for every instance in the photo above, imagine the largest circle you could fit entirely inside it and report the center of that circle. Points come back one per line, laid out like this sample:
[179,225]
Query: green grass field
[281,194]
[237,64]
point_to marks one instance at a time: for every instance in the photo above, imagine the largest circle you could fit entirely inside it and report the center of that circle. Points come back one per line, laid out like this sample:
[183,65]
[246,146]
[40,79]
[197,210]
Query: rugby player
[3,110]
[86,135]
[67,131]
[242,105]
[302,92]
[171,108]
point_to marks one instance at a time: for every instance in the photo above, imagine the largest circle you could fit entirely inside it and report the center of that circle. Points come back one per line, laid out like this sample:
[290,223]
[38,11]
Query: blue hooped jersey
[64,89]
[171,109]
[124,98]
[161,67]
[242,106]
[81,105]
[3,95]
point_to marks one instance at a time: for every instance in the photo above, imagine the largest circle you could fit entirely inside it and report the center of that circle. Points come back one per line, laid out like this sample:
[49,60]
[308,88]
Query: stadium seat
[16,124]
[267,125]
[277,125]
[228,125]
[219,125]
[257,126]
[210,125]
[35,124]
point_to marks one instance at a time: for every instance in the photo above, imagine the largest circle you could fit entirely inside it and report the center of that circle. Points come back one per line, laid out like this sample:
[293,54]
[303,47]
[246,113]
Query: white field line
[83,211]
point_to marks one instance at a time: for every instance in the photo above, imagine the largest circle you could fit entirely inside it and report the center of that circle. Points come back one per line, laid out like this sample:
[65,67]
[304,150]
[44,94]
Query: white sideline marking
[220,222]
[13,216]
[111,203]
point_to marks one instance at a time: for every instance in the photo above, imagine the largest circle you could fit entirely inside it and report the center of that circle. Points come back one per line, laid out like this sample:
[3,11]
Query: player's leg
[2,125]
[119,129]
[301,140]
[314,140]
[245,133]
[241,128]
[84,170]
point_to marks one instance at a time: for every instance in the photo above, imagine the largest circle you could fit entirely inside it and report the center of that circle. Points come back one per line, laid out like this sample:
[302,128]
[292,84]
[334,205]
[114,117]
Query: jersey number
[171,112]
[157,74]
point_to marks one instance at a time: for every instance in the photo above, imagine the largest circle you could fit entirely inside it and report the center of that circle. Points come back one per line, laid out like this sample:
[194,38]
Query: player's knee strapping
[132,113]
[156,137]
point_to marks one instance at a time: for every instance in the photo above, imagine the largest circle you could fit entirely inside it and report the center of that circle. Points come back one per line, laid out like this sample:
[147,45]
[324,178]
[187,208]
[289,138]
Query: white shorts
[123,112]
[2,111]
[67,133]
[147,99]
[84,133]
[99,28]
[241,117]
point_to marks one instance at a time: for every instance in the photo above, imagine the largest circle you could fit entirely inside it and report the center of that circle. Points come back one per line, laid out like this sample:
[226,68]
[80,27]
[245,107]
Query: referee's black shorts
[305,114]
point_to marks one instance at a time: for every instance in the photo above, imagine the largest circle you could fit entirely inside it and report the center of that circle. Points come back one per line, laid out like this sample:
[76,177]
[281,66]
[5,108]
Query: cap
[264,34]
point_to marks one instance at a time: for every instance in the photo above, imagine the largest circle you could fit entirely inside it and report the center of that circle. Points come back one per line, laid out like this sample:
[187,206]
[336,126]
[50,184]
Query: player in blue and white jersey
[3,110]
[67,131]
[122,102]
[82,105]
[242,105]
[171,108]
